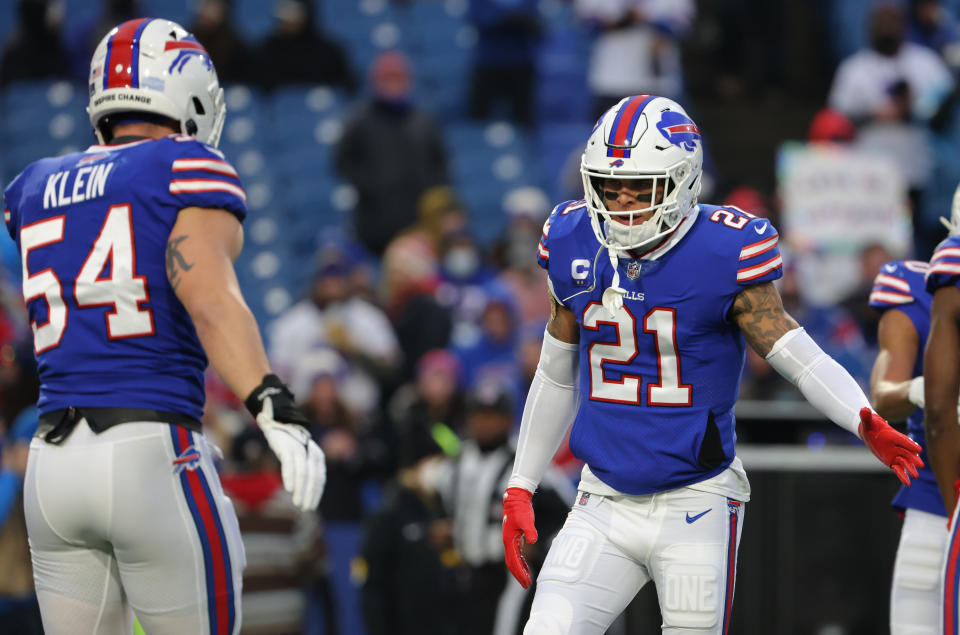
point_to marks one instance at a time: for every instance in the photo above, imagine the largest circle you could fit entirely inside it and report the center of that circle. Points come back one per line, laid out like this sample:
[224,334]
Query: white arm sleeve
[551,406]
[824,382]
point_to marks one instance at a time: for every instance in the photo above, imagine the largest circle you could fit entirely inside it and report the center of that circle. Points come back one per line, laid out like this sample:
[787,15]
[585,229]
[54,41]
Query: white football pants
[915,591]
[132,518]
[684,540]
[950,575]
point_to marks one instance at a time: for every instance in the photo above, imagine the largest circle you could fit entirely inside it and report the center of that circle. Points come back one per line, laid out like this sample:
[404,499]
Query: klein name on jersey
[89,182]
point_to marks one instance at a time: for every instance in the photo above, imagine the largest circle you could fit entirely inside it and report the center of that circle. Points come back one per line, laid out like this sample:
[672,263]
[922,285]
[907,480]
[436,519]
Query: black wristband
[284,408]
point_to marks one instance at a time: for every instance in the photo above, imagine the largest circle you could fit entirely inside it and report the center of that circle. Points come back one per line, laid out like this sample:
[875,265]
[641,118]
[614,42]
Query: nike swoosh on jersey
[693,519]
[889,267]
[760,228]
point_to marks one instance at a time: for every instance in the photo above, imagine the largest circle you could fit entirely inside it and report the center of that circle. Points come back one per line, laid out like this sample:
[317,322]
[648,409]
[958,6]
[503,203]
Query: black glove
[284,410]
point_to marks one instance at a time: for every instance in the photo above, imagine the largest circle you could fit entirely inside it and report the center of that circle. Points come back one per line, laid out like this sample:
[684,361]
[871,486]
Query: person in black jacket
[391,152]
[297,53]
[34,50]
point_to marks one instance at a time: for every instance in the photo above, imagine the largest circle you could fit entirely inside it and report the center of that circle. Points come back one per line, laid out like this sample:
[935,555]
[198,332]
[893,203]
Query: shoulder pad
[897,283]
[562,220]
[944,265]
[759,257]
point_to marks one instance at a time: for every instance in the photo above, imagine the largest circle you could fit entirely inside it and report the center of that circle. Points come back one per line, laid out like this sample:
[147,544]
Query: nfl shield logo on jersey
[633,270]
[189,459]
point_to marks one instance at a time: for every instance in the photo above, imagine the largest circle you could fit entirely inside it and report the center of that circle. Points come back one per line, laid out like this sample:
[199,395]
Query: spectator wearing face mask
[514,253]
[391,152]
[869,83]
[896,93]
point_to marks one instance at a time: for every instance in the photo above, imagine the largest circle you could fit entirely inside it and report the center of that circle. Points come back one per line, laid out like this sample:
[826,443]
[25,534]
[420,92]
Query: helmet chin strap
[613,296]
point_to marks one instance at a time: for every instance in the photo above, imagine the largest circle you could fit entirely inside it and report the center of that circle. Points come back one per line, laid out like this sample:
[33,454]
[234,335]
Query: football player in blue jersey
[654,300]
[896,386]
[941,372]
[127,251]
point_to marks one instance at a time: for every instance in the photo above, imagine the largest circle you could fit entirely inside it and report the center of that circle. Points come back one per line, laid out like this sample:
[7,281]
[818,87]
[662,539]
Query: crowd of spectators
[413,348]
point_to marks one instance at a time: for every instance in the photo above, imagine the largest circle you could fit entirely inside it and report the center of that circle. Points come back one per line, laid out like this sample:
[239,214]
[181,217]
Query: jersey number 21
[661,324]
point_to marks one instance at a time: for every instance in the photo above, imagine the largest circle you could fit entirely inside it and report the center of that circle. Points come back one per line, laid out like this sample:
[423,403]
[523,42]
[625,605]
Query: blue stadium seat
[40,119]
[253,18]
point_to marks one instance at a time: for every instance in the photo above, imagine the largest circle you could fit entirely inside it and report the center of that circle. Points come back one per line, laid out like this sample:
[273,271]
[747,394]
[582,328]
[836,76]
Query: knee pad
[693,589]
[551,614]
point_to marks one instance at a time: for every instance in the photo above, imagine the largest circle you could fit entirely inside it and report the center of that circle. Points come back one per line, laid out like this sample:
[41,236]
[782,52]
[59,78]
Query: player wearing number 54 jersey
[127,251]
[654,301]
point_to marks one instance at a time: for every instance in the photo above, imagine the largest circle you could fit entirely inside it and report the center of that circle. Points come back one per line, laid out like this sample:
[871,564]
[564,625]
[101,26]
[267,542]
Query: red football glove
[517,525]
[897,451]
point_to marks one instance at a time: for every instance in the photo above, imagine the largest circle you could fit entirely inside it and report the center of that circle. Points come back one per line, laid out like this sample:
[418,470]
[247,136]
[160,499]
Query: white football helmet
[642,137]
[155,66]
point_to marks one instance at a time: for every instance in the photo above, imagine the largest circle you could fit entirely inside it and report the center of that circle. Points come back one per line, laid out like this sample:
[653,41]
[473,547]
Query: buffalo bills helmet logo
[616,163]
[679,130]
[189,48]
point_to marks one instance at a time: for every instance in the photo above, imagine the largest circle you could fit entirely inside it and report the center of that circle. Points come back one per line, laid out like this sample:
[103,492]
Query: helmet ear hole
[191,127]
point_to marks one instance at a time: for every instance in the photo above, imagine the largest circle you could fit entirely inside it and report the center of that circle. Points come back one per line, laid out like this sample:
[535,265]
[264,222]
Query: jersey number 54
[123,289]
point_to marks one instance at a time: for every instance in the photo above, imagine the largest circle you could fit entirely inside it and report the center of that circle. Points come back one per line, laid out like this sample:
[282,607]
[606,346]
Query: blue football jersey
[659,380]
[92,228]
[944,265]
[900,285]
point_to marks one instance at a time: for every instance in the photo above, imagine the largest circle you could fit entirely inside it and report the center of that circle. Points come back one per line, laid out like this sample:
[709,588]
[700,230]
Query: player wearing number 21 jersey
[654,301]
[127,251]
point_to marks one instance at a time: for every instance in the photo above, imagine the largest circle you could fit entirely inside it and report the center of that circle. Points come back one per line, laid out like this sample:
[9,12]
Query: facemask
[630,234]
[461,262]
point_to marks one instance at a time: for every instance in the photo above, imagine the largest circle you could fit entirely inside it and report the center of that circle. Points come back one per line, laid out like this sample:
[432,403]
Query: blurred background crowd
[399,159]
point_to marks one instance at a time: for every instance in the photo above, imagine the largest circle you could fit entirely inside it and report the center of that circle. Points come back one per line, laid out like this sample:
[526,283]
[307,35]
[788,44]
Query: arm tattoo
[759,312]
[563,324]
[176,263]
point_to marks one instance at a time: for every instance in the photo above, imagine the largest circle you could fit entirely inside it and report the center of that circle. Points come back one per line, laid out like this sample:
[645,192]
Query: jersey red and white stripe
[201,177]
[761,247]
[759,259]
[180,186]
[204,165]
[945,265]
[758,271]
[890,291]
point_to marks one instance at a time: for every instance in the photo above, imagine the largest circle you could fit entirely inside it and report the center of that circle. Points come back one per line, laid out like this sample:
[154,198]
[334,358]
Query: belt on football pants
[56,425]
